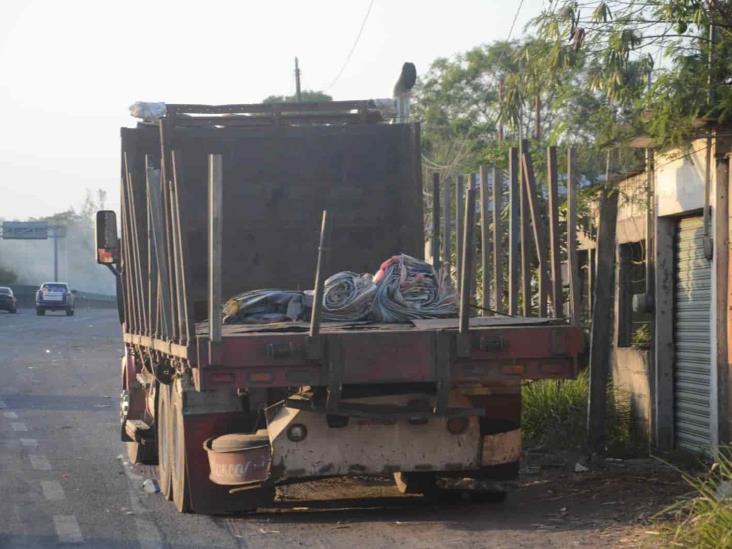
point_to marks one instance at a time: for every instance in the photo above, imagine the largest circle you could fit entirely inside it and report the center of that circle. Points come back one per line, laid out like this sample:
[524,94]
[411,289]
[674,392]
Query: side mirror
[107,241]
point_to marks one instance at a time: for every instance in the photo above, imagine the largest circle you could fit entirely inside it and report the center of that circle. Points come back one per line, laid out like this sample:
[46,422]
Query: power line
[449,167]
[515,18]
[353,48]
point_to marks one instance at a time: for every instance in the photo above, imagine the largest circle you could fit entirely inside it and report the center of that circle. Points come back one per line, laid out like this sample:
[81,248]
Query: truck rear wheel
[181,489]
[40,311]
[164,442]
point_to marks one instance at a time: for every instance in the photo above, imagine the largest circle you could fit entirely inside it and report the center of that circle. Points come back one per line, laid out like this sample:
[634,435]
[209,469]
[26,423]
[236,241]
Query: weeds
[706,519]
[554,412]
[554,416]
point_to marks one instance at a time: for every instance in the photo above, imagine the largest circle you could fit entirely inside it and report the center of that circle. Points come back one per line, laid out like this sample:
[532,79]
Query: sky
[70,69]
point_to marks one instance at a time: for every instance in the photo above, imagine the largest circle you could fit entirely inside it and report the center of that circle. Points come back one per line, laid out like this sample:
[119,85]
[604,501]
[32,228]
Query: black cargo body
[277,182]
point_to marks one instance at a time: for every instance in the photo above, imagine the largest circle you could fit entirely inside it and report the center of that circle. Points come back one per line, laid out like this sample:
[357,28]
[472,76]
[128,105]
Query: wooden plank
[436,220]
[537,224]
[166,237]
[485,238]
[126,277]
[184,309]
[134,266]
[590,280]
[721,255]
[575,299]
[215,248]
[553,210]
[524,240]
[601,338]
[318,283]
[330,106]
[498,251]
[164,346]
[446,227]
[152,269]
[459,221]
[466,284]
[664,347]
[514,221]
[156,210]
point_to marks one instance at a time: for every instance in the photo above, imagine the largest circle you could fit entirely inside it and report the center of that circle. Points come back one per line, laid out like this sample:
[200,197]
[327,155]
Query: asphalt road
[64,479]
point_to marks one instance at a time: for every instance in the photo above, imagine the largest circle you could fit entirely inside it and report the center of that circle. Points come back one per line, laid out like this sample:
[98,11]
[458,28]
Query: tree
[7,276]
[650,56]
[308,96]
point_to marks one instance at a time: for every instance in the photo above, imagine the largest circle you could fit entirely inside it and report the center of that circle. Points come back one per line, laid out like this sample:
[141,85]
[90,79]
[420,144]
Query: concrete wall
[632,383]
[680,175]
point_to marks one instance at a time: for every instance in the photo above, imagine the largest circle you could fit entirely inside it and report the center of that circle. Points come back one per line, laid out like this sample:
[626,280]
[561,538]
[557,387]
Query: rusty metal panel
[501,448]
[369,447]
[277,181]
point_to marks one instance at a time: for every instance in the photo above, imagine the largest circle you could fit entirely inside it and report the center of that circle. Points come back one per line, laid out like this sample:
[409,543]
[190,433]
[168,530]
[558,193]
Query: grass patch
[554,412]
[705,521]
[554,416]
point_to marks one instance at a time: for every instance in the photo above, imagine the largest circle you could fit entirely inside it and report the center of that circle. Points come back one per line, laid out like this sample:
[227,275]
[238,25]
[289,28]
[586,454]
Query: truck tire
[164,442]
[69,312]
[40,311]
[181,488]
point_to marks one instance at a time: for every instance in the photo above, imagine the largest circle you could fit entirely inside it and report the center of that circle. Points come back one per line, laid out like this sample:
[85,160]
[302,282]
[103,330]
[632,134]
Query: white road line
[10,415]
[148,534]
[39,462]
[29,442]
[52,490]
[19,427]
[67,529]
[2,404]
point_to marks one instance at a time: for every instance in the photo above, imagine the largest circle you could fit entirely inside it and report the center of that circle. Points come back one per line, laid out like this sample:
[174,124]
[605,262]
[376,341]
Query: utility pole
[55,255]
[298,92]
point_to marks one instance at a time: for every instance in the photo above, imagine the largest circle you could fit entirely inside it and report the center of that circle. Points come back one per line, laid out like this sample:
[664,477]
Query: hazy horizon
[71,70]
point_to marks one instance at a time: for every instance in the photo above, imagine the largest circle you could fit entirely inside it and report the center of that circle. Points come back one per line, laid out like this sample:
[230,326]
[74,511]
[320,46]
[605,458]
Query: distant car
[7,300]
[55,296]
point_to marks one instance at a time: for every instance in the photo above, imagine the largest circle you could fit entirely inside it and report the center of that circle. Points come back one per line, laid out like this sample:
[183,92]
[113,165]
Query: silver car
[55,296]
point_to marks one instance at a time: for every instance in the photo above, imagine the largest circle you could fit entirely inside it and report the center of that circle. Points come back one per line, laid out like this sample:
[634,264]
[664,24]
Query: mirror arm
[112,268]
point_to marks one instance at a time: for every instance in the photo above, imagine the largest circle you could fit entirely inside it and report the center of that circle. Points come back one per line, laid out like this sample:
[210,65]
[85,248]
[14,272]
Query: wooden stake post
[459,203]
[553,210]
[572,264]
[602,319]
[436,220]
[514,198]
[537,224]
[497,241]
[485,237]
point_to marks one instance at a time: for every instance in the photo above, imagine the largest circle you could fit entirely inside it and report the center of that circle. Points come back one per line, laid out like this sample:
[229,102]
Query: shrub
[706,519]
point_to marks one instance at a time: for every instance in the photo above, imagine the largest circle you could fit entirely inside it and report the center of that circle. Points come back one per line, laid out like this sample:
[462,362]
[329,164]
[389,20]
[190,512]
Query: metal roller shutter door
[692,326]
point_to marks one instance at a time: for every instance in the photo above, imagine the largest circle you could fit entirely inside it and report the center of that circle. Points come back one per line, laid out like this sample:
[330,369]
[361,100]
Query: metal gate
[692,328]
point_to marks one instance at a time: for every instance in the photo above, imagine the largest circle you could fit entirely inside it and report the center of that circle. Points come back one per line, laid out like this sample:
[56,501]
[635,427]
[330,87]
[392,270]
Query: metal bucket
[239,458]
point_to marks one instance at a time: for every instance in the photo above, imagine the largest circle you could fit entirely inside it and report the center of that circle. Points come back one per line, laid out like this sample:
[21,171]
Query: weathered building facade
[671,307]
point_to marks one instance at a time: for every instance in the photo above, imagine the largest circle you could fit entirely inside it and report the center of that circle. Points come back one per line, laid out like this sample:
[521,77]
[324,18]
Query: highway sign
[25,230]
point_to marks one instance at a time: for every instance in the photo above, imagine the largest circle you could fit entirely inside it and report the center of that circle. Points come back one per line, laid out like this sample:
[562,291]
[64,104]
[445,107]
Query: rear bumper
[54,305]
[500,356]
[361,447]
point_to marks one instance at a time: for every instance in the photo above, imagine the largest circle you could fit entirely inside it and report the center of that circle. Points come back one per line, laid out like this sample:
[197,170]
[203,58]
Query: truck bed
[498,350]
